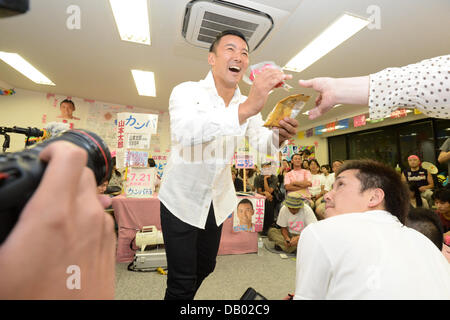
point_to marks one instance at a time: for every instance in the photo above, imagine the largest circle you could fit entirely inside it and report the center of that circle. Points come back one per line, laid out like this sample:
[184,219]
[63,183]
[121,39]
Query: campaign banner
[244,161]
[248,215]
[140,183]
[135,158]
[140,123]
[138,141]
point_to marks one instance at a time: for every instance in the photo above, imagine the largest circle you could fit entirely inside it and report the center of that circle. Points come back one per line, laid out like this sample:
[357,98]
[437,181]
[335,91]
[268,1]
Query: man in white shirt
[363,250]
[294,216]
[198,195]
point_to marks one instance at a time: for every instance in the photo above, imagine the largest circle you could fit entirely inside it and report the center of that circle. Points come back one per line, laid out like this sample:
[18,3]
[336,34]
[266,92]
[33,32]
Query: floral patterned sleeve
[424,85]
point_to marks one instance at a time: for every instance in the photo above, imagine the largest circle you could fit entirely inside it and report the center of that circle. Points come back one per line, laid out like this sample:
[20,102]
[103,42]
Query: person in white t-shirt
[329,180]
[317,189]
[294,216]
[363,250]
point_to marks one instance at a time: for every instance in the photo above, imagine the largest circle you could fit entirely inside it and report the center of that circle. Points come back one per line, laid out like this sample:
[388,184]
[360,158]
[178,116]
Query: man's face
[441,206]
[413,162]
[336,165]
[230,60]
[66,108]
[245,213]
[297,161]
[294,210]
[346,196]
[266,170]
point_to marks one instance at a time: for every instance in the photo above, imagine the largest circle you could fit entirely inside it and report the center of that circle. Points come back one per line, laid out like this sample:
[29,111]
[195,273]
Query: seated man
[420,177]
[298,179]
[442,201]
[362,250]
[292,219]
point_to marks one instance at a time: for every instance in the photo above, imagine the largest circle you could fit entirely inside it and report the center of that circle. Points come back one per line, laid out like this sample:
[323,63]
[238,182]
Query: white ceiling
[94,63]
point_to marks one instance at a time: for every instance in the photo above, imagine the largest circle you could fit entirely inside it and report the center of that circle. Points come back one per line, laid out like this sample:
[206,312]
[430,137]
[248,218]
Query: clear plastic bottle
[260,246]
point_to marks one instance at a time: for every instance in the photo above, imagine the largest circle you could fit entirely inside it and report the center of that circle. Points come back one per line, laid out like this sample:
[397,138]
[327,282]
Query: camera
[21,172]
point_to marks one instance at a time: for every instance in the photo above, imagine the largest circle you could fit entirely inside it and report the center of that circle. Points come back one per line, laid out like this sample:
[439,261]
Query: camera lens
[99,157]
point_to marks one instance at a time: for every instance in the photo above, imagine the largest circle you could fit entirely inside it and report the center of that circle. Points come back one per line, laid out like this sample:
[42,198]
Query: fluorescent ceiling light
[25,68]
[132,20]
[343,28]
[145,82]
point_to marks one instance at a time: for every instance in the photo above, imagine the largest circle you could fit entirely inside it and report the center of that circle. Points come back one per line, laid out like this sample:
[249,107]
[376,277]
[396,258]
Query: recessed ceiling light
[145,82]
[132,20]
[25,68]
[343,28]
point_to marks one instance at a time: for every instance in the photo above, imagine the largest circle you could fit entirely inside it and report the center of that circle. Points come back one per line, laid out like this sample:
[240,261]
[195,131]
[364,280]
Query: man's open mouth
[234,69]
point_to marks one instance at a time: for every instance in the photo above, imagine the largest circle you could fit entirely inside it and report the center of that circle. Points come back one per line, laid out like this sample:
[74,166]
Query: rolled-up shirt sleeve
[194,119]
[424,85]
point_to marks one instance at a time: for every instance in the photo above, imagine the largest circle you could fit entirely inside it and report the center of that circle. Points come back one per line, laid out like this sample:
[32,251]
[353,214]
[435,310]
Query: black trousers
[269,215]
[191,253]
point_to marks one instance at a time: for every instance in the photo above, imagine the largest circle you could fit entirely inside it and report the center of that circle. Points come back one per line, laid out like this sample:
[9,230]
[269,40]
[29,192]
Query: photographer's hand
[62,225]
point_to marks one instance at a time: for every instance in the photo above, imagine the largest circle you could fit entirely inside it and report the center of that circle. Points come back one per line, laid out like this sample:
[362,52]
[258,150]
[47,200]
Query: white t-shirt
[329,180]
[317,181]
[296,222]
[369,255]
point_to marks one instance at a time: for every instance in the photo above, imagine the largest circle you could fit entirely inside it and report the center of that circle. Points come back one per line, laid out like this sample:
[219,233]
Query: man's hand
[303,184]
[268,195]
[287,242]
[265,82]
[294,240]
[66,225]
[287,131]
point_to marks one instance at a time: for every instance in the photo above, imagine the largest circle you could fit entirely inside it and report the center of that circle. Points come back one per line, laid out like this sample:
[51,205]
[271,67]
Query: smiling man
[198,195]
[363,250]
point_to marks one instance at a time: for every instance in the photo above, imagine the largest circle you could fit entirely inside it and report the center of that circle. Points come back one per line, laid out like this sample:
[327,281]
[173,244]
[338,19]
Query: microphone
[30,132]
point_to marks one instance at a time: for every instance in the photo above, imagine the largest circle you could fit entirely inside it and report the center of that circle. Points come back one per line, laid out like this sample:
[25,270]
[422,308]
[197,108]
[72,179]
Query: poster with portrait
[249,214]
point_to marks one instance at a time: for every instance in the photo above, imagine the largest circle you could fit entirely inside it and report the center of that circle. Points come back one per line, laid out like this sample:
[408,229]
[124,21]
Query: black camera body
[21,173]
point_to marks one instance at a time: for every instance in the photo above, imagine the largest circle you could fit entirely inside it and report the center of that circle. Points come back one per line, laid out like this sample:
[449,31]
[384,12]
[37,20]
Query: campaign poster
[248,215]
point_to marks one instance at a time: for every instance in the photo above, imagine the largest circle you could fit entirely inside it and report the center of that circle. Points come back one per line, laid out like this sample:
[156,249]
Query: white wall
[36,109]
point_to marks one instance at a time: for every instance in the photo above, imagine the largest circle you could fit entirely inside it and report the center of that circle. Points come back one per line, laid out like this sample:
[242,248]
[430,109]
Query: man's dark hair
[224,33]
[326,166]
[296,154]
[337,160]
[426,222]
[68,101]
[442,194]
[414,188]
[373,174]
[244,201]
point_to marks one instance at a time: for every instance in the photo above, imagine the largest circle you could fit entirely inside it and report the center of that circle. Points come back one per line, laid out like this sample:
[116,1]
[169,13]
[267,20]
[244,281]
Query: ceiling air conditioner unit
[204,19]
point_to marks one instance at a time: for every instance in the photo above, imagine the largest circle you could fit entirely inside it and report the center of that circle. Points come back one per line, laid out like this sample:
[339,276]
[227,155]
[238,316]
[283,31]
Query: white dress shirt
[369,255]
[204,136]
[424,85]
